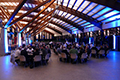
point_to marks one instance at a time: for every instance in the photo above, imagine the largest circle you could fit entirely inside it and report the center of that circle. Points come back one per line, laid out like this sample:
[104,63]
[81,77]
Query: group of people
[30,51]
[78,49]
[104,47]
[37,48]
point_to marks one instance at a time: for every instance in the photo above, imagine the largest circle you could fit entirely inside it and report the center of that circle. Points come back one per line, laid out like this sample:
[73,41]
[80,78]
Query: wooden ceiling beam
[33,30]
[69,22]
[18,23]
[39,30]
[46,16]
[21,3]
[28,1]
[42,25]
[54,29]
[48,32]
[49,4]
[41,4]
[66,29]
[4,14]
[38,23]
[7,13]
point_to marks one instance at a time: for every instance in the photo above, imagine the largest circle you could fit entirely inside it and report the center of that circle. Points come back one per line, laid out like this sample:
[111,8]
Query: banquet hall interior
[59,39]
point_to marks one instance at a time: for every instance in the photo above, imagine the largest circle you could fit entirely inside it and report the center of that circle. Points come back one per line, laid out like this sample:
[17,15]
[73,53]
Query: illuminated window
[79,35]
[105,32]
[114,42]
[108,32]
[40,35]
[90,34]
[99,32]
[36,36]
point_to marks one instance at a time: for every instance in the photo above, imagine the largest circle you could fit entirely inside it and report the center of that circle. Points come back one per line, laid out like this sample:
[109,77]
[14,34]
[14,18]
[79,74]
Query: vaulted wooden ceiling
[61,16]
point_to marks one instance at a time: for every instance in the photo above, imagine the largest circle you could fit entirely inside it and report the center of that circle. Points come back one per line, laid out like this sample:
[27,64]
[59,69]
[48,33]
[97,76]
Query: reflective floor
[95,69]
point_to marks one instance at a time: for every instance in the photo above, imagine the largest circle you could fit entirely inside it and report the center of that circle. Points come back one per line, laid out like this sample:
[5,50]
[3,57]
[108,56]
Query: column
[26,39]
[3,36]
[32,39]
[102,37]
[29,39]
[19,40]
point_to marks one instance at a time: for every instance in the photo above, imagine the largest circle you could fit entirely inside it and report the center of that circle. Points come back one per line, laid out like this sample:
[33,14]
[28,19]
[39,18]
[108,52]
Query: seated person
[91,45]
[106,49]
[16,55]
[66,52]
[73,51]
[44,52]
[94,48]
[83,44]
[81,52]
[58,50]
[68,48]
[24,52]
[101,48]
[88,50]
[48,50]
[30,54]
[33,45]
[30,50]
[36,52]
[77,46]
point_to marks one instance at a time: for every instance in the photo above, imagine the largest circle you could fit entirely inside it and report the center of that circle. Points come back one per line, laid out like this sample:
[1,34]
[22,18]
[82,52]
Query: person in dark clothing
[68,48]
[66,52]
[101,48]
[33,46]
[36,52]
[48,50]
[24,52]
[44,53]
[81,52]
[88,50]
[94,48]
[106,49]
[30,52]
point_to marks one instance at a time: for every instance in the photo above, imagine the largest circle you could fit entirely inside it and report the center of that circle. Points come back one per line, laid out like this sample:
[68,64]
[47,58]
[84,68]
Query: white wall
[57,35]
[105,26]
[112,24]
[91,29]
